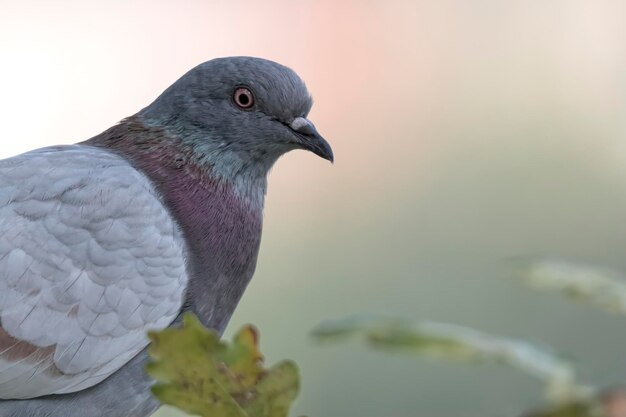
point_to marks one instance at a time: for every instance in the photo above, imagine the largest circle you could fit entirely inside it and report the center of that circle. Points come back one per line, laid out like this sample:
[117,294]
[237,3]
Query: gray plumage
[160,214]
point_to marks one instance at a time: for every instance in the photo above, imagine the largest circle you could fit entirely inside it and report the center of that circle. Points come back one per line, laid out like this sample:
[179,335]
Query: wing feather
[90,259]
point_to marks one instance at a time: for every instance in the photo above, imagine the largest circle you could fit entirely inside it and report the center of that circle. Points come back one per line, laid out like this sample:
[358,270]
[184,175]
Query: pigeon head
[239,112]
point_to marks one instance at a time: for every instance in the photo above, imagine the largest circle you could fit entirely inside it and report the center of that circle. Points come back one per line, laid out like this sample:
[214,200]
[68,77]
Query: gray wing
[89,261]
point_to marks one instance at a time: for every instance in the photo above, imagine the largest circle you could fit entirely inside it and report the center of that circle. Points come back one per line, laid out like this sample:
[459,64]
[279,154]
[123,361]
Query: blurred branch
[460,343]
[601,287]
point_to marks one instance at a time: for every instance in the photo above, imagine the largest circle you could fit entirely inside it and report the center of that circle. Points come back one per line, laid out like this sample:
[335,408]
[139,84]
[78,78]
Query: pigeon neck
[154,148]
[220,219]
[245,167]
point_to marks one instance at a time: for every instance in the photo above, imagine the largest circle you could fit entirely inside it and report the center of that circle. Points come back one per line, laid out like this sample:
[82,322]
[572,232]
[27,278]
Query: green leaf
[201,375]
[245,361]
[276,391]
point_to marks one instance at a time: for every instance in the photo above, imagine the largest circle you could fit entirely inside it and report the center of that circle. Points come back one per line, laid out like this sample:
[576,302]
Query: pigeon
[161,214]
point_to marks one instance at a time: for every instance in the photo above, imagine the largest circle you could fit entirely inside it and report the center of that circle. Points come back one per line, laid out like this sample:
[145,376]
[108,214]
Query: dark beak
[309,139]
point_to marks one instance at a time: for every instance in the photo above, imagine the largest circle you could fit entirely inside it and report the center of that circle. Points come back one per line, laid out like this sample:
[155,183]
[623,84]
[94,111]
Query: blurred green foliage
[201,375]
[459,343]
[567,396]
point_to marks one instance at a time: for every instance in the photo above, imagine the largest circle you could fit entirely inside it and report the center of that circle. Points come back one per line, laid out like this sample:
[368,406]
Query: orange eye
[243,98]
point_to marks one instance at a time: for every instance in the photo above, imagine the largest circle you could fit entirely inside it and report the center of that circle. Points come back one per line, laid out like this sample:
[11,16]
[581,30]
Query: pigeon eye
[243,98]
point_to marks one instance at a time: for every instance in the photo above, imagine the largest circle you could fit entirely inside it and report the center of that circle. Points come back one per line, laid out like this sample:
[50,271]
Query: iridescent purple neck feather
[220,217]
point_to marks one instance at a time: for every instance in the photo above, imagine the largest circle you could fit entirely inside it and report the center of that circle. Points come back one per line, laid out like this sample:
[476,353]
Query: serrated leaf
[201,375]
[276,391]
[245,361]
[187,377]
